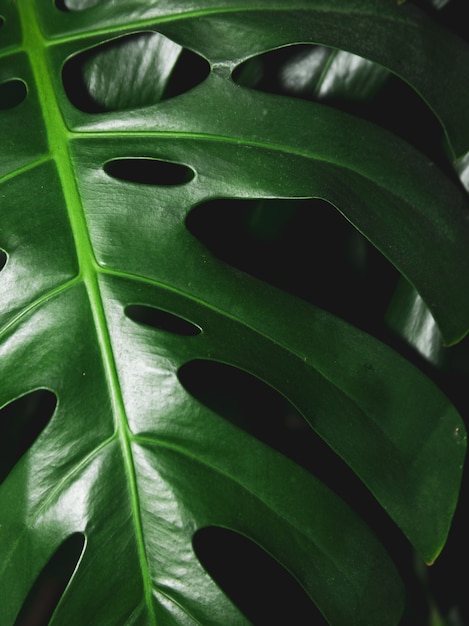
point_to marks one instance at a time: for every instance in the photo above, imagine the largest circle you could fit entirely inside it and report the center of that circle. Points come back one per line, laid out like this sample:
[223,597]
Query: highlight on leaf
[21,422]
[46,592]
[97,80]
[163,320]
[148,171]
[12,93]
[237,564]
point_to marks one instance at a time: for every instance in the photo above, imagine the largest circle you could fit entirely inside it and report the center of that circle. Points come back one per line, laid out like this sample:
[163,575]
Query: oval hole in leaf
[2,21]
[45,594]
[12,93]
[305,247]
[262,589]
[149,171]
[21,423]
[157,318]
[3,259]
[129,72]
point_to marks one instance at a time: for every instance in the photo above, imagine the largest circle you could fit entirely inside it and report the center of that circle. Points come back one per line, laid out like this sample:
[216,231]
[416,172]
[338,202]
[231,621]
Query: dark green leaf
[94,203]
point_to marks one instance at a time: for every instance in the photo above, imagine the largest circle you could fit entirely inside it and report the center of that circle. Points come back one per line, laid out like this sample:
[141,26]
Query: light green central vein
[58,140]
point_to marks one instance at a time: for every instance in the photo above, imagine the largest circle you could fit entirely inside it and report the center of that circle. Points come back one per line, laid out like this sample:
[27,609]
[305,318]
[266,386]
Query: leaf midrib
[58,138]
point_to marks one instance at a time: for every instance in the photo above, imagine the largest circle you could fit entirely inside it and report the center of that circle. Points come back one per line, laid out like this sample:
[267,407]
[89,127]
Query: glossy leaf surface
[130,463]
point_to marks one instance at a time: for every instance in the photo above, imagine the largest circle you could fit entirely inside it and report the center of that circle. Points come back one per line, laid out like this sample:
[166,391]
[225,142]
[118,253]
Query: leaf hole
[147,171]
[163,320]
[2,21]
[254,406]
[257,408]
[314,72]
[262,589]
[12,93]
[291,70]
[132,71]
[21,423]
[350,83]
[45,594]
[3,259]
[304,247]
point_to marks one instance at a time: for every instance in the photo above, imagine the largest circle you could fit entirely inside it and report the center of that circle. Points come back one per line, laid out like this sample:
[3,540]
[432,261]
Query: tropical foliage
[233,261]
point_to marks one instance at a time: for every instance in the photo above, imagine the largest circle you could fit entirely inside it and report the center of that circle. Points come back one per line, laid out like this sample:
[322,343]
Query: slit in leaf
[12,93]
[350,83]
[163,320]
[312,72]
[147,171]
[304,247]
[261,588]
[21,423]
[51,583]
[3,259]
[256,407]
[2,21]
[131,71]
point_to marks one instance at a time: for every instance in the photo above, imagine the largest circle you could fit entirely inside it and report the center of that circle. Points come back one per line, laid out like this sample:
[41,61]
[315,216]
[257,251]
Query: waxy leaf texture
[107,296]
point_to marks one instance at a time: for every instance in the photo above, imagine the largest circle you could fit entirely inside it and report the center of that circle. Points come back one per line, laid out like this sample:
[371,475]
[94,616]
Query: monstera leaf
[121,121]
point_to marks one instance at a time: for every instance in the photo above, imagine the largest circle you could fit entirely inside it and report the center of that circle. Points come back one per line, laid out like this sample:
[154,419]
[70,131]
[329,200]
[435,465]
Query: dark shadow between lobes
[46,592]
[262,589]
[21,423]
